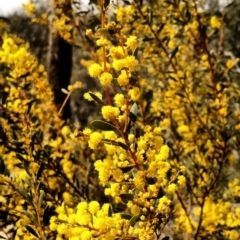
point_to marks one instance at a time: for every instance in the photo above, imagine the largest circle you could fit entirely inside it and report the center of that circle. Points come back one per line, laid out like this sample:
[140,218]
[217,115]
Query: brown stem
[200,220]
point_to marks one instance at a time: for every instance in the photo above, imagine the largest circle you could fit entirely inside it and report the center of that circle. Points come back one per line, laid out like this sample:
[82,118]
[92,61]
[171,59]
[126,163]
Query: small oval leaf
[65,91]
[134,219]
[40,170]
[125,197]
[127,168]
[40,201]
[102,125]
[31,217]
[174,53]
[97,99]
[111,142]
[103,31]
[151,181]
[110,211]
[25,195]
[126,216]
[122,145]
[134,112]
[32,231]
[46,215]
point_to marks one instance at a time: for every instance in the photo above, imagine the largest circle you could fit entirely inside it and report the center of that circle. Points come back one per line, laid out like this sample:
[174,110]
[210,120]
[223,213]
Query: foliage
[166,150]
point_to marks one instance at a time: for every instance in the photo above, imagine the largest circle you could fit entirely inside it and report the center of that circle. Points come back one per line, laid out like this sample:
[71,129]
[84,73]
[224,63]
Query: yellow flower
[117,52]
[87,131]
[29,8]
[89,32]
[131,63]
[132,42]
[181,180]
[93,207]
[105,79]
[95,70]
[164,153]
[109,113]
[118,65]
[95,139]
[65,130]
[101,42]
[123,78]
[119,100]
[183,129]
[172,188]
[163,204]
[230,63]
[110,135]
[86,235]
[215,23]
[135,94]
[88,97]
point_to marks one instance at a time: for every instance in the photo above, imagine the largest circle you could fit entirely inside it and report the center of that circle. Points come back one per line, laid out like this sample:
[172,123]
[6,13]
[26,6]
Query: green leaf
[150,17]
[30,105]
[110,211]
[180,94]
[95,98]
[32,231]
[174,53]
[114,81]
[168,2]
[40,170]
[134,109]
[65,91]
[20,157]
[28,182]
[161,27]
[46,215]
[102,125]
[26,86]
[172,78]
[40,186]
[187,14]
[133,112]
[122,145]
[103,31]
[165,39]
[147,39]
[166,238]
[135,53]
[126,216]
[126,2]
[230,4]
[31,217]
[62,221]
[127,168]
[125,197]
[25,195]
[25,75]
[25,163]
[151,181]
[111,142]
[134,219]
[40,201]
[106,3]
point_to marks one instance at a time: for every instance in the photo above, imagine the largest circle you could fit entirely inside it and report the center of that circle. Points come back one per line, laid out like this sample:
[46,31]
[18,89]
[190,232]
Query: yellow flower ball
[106,79]
[95,70]
[109,113]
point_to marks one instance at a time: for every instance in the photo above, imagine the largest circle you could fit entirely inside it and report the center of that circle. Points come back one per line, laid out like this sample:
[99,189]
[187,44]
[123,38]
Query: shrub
[165,148]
